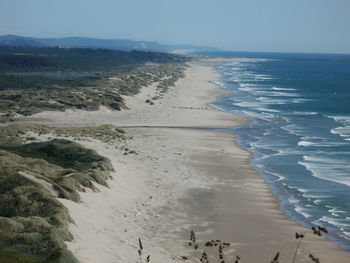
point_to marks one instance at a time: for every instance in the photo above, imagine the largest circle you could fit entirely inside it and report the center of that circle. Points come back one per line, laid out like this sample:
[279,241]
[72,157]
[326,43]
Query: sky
[316,26]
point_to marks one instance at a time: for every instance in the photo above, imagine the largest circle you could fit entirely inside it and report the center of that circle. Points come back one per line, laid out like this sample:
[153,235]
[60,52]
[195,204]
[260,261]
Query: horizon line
[188,44]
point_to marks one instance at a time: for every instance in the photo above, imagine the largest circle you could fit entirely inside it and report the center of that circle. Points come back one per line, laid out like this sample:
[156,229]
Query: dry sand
[184,176]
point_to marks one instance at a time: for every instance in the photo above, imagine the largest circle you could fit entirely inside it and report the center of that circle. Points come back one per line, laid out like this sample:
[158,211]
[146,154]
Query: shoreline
[269,184]
[284,204]
[182,179]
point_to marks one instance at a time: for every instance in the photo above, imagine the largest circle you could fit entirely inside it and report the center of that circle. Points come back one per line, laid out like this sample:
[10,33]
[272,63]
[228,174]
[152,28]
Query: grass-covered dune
[22,133]
[33,223]
[110,74]
[29,95]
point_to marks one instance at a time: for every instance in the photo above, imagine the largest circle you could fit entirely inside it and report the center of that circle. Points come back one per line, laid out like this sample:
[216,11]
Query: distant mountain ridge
[87,42]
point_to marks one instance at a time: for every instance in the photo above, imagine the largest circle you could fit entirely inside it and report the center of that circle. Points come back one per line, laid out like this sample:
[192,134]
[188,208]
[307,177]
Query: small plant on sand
[314,259]
[193,240]
[276,257]
[300,237]
[140,250]
[204,257]
[317,230]
[209,244]
[223,256]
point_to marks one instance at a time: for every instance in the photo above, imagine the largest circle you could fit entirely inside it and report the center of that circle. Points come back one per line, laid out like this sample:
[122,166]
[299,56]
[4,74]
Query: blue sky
[243,25]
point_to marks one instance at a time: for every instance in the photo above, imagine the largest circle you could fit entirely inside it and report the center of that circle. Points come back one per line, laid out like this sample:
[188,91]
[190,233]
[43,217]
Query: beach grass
[27,95]
[32,220]
[22,133]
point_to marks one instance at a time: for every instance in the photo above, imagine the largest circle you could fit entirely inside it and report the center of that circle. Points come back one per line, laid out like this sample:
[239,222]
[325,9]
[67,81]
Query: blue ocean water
[299,134]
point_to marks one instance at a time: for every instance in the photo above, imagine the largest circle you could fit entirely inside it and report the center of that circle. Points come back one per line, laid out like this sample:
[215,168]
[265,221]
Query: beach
[184,175]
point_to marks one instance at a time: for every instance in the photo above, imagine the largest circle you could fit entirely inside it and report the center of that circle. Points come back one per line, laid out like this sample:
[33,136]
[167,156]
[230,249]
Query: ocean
[299,134]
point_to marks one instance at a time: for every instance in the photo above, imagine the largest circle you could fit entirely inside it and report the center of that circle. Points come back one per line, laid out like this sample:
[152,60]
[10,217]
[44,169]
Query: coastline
[184,177]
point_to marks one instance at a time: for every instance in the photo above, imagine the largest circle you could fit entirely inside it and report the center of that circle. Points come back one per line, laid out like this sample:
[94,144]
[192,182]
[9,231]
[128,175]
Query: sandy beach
[183,176]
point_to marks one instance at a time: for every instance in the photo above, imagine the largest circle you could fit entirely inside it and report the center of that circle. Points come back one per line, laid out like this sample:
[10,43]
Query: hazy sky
[249,25]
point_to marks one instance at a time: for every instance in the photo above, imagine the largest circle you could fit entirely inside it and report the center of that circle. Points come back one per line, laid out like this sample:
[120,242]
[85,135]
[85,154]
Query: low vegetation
[33,223]
[215,250]
[112,74]
[19,133]
[30,95]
